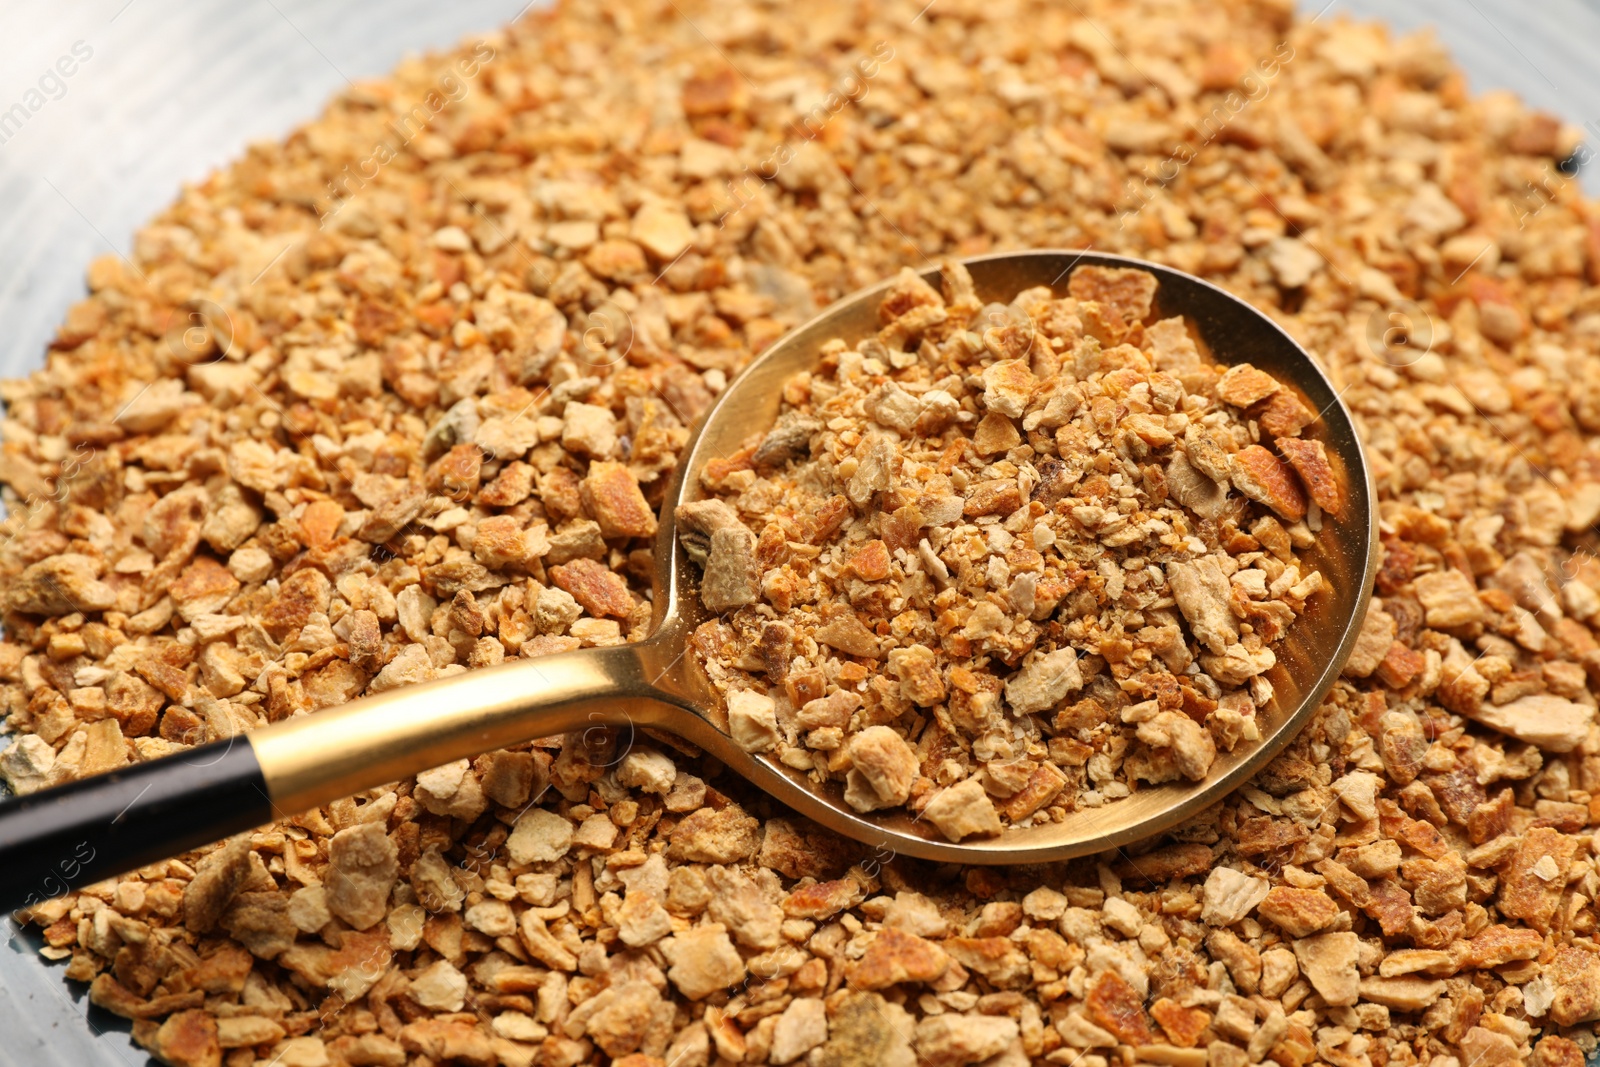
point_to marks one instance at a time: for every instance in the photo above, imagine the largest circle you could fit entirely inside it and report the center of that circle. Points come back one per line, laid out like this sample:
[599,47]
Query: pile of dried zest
[290,521]
[958,568]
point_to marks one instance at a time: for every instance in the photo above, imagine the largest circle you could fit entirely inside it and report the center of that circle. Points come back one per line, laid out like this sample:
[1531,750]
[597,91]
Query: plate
[162,92]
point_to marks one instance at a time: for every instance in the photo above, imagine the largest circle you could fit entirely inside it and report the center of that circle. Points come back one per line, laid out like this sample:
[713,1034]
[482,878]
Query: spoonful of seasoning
[1030,556]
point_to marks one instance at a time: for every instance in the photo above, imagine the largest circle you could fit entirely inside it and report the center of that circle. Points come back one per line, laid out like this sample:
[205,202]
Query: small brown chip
[822,900]
[612,497]
[1403,992]
[205,586]
[1284,415]
[189,1039]
[996,433]
[1267,480]
[1437,886]
[1401,746]
[615,260]
[1298,912]
[998,959]
[1565,816]
[1575,974]
[599,589]
[828,519]
[714,92]
[1310,460]
[1532,881]
[588,429]
[1391,906]
[1556,1051]
[1130,290]
[786,442]
[1183,1026]
[171,681]
[500,542]
[561,493]
[1347,883]
[1205,454]
[1191,745]
[1043,786]
[1008,385]
[216,882]
[1242,385]
[1500,944]
[1400,665]
[1491,818]
[1114,1004]
[997,497]
[698,520]
[108,993]
[1203,595]
[1151,429]
[1415,834]
[1449,598]
[870,561]
[1373,642]
[1167,863]
[732,576]
[1540,719]
[846,632]
[508,777]
[510,487]
[895,956]
[711,836]
[60,585]
[833,710]
[260,922]
[456,474]
[303,594]
[918,671]
[386,520]
[1457,791]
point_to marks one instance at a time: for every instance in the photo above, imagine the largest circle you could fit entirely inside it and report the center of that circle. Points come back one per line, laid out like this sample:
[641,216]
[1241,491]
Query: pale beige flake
[732,576]
[1551,723]
[643,920]
[1191,744]
[963,810]
[802,1027]
[1043,681]
[1449,598]
[440,987]
[954,1038]
[1329,963]
[1230,895]
[752,720]
[647,770]
[362,866]
[663,229]
[1201,591]
[884,768]
[703,961]
[539,836]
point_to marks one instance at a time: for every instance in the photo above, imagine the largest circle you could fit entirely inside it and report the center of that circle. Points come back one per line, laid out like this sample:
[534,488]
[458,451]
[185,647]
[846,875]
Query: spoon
[61,838]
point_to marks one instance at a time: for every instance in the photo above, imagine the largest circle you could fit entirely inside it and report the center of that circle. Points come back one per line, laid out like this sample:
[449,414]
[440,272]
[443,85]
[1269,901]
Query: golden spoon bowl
[140,814]
[656,684]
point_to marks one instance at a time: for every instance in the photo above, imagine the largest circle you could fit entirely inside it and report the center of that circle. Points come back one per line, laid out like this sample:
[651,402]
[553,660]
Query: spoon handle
[60,839]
